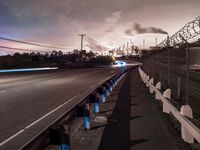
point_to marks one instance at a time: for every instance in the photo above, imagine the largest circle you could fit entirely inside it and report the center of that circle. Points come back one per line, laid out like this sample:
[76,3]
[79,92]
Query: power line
[21,49]
[28,50]
[29,43]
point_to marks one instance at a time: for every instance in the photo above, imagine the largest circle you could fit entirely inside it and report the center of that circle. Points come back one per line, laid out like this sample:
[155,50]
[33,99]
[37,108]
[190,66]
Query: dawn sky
[107,23]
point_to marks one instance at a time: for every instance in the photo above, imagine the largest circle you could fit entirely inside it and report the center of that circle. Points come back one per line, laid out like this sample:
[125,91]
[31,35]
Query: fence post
[186,136]
[179,87]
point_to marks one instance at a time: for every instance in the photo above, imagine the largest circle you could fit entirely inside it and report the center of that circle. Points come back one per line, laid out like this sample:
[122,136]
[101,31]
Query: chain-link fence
[171,72]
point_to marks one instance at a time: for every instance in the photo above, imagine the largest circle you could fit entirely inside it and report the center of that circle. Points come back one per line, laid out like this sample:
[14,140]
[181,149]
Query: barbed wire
[190,31]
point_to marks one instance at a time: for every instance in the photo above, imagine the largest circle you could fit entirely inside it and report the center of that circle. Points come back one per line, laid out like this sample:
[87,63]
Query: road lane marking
[1,92]
[12,137]
[30,125]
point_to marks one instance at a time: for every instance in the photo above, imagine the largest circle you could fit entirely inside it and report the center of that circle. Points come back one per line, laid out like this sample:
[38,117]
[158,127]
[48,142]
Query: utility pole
[82,35]
[156,41]
[143,43]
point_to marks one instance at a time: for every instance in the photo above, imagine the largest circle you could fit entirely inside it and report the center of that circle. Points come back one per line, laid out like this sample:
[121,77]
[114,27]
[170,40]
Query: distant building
[154,47]
[76,51]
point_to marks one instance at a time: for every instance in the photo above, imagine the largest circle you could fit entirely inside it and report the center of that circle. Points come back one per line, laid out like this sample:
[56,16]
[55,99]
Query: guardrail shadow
[117,131]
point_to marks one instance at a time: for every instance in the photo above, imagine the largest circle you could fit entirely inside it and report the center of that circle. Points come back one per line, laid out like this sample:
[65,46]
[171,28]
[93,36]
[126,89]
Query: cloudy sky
[107,23]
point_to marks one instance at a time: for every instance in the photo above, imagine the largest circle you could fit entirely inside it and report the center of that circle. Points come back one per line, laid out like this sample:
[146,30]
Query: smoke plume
[138,29]
[95,46]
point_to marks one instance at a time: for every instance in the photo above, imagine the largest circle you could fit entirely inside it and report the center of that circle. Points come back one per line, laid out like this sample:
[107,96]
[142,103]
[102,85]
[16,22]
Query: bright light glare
[27,69]
[119,63]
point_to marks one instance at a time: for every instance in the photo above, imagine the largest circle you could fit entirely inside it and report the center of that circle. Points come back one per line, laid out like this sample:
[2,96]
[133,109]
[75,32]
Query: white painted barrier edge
[192,129]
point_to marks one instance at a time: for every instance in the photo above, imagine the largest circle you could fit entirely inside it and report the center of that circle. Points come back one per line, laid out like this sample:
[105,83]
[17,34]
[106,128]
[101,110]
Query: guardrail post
[64,137]
[59,137]
[150,87]
[96,103]
[101,94]
[87,116]
[113,82]
[158,86]
[117,79]
[106,89]
[166,94]
[186,136]
[103,98]
[120,77]
[109,84]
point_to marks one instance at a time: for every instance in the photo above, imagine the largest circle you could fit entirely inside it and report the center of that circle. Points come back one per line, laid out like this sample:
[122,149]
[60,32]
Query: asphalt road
[25,97]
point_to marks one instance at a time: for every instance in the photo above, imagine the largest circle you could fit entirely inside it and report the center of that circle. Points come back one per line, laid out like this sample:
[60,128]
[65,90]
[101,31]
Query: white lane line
[1,92]
[12,137]
[22,130]
[30,125]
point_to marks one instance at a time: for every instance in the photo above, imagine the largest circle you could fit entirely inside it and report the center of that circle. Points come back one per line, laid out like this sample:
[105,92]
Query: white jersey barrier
[189,131]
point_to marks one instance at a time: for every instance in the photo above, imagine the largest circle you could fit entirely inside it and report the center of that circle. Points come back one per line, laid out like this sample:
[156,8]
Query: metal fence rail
[189,131]
[178,84]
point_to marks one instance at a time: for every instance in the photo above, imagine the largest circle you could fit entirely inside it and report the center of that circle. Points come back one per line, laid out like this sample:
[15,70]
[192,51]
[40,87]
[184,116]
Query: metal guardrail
[189,131]
[81,107]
